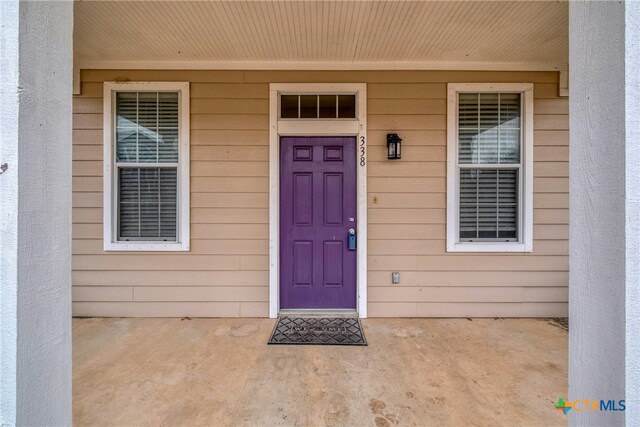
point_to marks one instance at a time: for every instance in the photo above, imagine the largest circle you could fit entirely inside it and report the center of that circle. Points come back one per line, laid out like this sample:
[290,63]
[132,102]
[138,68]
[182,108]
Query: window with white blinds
[147,163]
[489,139]
[150,170]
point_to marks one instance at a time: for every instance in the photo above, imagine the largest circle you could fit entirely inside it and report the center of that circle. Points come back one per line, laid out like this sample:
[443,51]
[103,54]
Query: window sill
[146,247]
[489,247]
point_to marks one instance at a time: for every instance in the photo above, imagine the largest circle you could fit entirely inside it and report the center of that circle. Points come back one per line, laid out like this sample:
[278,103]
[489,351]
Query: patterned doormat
[318,330]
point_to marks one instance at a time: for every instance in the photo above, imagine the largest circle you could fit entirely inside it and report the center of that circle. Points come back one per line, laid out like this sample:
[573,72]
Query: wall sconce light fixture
[393,146]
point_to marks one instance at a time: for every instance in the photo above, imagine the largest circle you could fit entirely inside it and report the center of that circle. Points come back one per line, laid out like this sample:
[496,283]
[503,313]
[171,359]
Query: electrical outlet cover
[395,277]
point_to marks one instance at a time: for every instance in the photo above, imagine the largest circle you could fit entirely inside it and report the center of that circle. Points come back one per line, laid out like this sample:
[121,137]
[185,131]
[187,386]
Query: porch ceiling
[321,34]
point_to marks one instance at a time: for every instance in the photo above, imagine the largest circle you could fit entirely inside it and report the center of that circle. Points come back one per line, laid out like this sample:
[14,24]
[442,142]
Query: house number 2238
[363,151]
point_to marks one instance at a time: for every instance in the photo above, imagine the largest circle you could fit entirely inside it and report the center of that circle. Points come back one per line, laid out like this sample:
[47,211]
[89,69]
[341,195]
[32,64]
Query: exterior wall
[226,272]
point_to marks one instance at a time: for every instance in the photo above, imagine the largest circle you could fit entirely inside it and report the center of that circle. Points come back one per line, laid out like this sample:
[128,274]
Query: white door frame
[317,127]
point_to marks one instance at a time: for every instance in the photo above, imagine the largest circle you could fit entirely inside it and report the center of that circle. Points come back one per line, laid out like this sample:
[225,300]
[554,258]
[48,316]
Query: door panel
[302,199]
[332,272]
[317,208]
[302,263]
[333,199]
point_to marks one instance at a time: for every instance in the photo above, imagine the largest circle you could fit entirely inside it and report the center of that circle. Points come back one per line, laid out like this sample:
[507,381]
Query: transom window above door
[318,106]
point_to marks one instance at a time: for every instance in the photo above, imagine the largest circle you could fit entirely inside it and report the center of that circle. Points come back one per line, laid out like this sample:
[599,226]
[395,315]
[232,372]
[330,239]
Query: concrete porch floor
[220,372]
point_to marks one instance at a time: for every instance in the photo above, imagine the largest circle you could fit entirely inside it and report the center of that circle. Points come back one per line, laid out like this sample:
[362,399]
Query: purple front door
[317,210]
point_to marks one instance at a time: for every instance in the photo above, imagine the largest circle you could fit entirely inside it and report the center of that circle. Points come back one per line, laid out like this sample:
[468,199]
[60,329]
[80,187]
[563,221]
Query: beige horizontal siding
[170,278]
[226,271]
[457,309]
[170,309]
[473,294]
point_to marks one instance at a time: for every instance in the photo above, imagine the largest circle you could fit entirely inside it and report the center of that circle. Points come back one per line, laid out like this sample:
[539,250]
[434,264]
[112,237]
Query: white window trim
[525,243]
[109,206]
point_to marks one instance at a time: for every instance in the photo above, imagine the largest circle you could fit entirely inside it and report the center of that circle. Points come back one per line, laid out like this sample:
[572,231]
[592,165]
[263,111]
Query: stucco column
[632,214]
[604,325]
[35,212]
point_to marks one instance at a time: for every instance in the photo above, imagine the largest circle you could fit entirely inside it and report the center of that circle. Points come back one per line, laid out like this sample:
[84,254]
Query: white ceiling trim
[324,65]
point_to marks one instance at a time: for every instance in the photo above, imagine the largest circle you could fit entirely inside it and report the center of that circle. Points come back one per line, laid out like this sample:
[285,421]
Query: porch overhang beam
[562,68]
